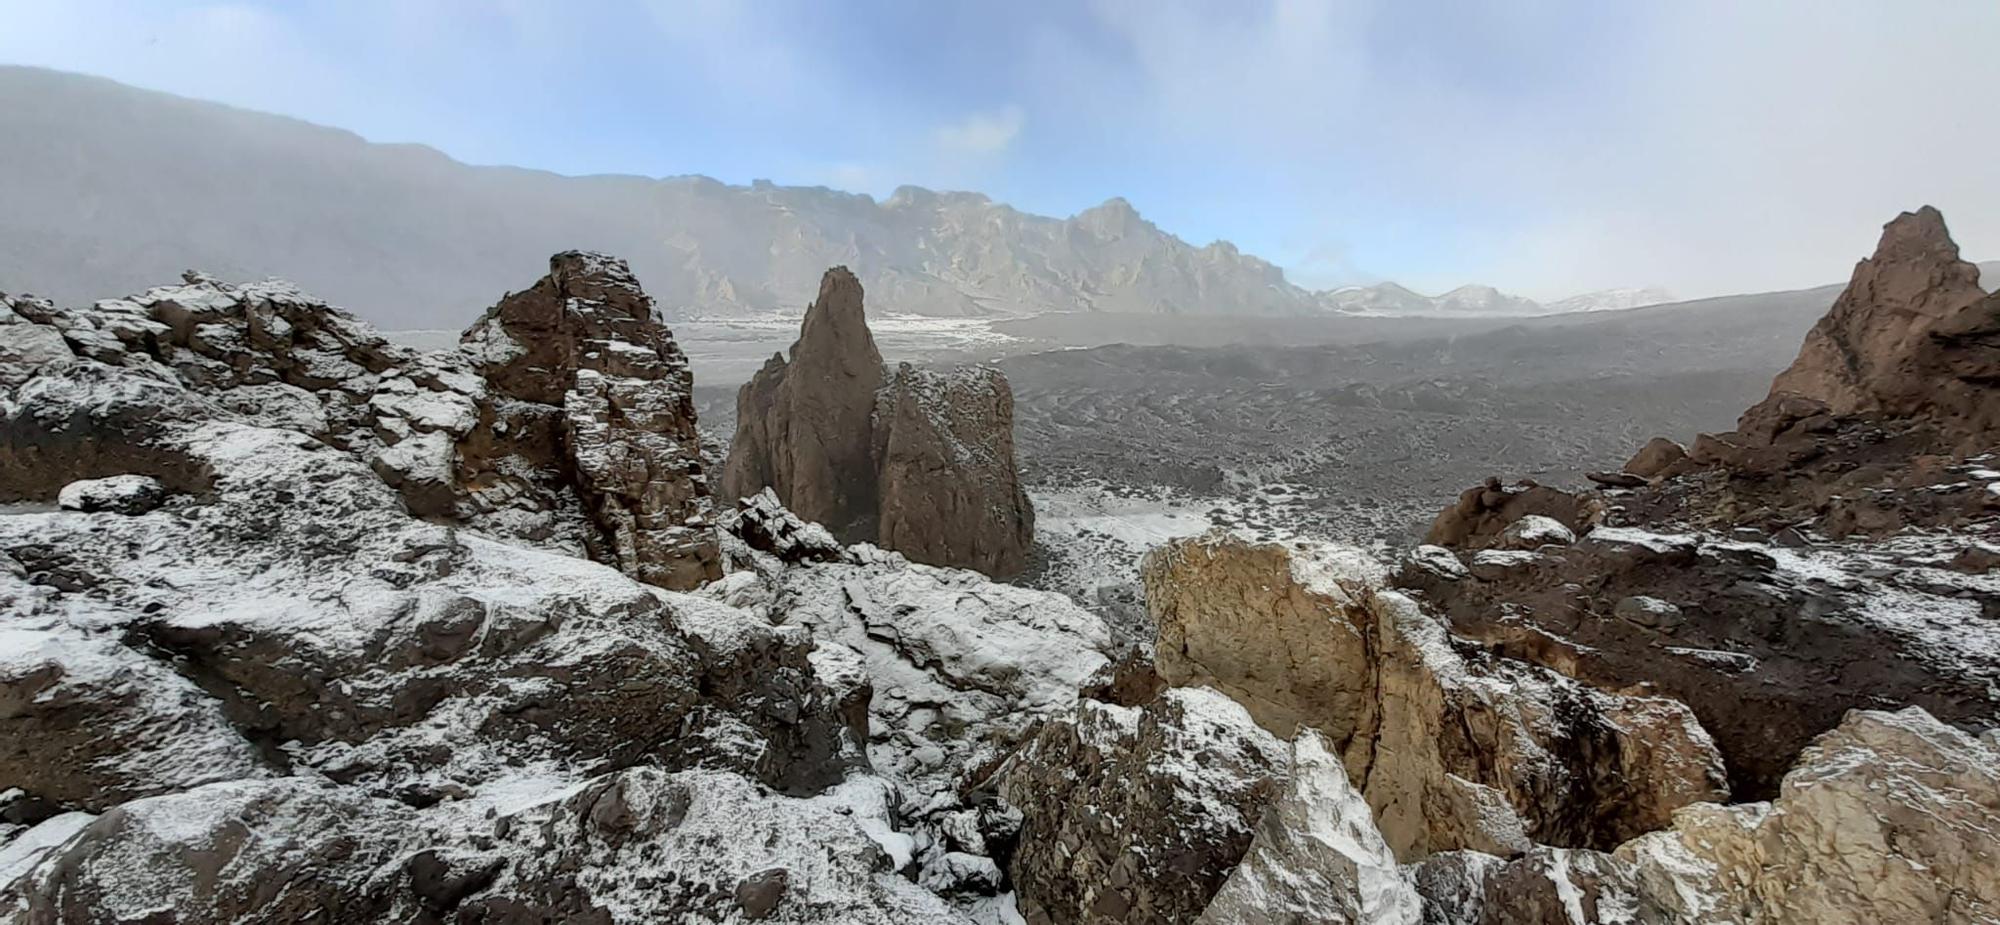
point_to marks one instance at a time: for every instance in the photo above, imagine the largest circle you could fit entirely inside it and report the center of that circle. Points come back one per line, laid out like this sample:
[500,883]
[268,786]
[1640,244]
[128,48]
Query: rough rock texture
[583,340]
[949,492]
[1453,747]
[1769,645]
[1484,512]
[918,461]
[582,442]
[282,693]
[1888,818]
[1138,814]
[1912,336]
[804,427]
[1655,458]
[1820,558]
[1317,857]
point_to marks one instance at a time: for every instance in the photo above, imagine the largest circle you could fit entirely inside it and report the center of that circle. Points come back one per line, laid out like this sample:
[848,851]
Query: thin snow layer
[675,832]
[1900,586]
[1206,751]
[1317,856]
[150,730]
[27,849]
[961,666]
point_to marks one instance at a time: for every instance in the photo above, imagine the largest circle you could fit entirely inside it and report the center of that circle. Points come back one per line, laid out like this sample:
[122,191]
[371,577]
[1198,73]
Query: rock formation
[805,427]
[1138,814]
[1317,856]
[1889,817]
[1912,336]
[917,461]
[1452,747]
[583,342]
[352,616]
[1779,575]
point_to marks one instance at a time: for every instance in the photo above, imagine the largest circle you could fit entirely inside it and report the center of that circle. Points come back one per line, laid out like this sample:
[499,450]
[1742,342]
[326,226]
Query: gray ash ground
[1124,447]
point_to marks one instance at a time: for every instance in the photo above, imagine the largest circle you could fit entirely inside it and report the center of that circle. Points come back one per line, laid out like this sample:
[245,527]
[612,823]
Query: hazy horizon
[1545,150]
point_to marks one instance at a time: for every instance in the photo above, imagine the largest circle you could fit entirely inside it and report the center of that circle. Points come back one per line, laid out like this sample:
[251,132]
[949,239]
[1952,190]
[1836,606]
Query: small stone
[119,494]
[1649,612]
[759,894]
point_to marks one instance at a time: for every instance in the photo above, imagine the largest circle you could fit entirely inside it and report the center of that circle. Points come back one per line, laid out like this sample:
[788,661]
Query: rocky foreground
[298,625]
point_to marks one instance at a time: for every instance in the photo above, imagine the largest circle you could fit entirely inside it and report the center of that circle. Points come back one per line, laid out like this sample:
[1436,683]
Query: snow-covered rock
[119,494]
[1317,857]
[1138,814]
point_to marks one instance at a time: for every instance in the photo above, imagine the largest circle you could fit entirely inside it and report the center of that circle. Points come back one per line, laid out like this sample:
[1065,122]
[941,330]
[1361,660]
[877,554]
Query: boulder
[1888,818]
[117,494]
[1139,814]
[1482,513]
[1317,856]
[1657,458]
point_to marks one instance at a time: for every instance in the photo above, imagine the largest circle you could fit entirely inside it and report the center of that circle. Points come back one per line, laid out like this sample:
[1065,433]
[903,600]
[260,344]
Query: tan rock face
[1278,630]
[920,462]
[600,383]
[804,426]
[1912,335]
[1451,746]
[1890,818]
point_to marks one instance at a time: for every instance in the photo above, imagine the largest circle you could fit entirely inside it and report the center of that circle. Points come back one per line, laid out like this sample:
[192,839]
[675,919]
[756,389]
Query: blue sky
[1544,147]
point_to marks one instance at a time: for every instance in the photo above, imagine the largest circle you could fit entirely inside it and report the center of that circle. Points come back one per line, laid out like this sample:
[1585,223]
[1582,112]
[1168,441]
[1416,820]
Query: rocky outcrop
[949,491]
[358,625]
[918,461]
[1139,814]
[1484,512]
[1889,817]
[1452,747]
[583,343]
[804,426]
[1776,576]
[1912,336]
[1317,856]
[565,422]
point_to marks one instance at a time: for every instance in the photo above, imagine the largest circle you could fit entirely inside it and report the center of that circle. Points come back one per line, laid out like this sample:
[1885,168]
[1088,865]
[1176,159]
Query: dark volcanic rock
[1798,567]
[920,462]
[804,426]
[949,492]
[584,341]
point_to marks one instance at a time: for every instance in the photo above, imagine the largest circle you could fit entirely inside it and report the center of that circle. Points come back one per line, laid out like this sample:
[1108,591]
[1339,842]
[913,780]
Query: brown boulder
[959,422]
[1655,458]
[1483,512]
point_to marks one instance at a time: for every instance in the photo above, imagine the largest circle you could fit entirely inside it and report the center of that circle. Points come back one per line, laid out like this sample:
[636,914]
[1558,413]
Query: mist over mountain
[113,188]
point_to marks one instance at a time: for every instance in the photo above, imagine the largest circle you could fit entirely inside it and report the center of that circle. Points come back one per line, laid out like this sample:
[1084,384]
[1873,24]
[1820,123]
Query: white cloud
[982,133]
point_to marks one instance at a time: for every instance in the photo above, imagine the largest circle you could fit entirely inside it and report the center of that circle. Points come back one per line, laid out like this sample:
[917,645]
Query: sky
[1546,147]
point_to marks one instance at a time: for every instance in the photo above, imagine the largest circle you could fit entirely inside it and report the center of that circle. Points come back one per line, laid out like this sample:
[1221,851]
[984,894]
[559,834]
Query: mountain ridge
[117,186]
